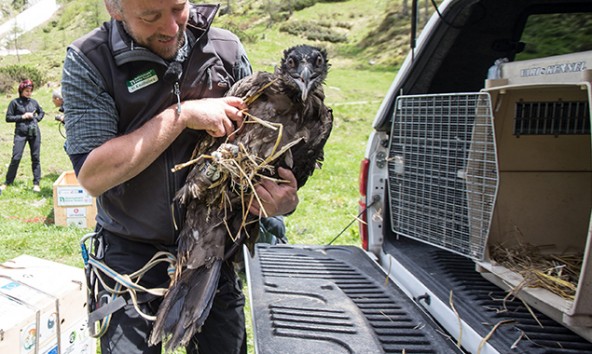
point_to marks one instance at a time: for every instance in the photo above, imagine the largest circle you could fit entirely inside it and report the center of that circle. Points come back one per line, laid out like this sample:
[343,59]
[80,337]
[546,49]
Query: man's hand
[214,115]
[106,166]
[277,198]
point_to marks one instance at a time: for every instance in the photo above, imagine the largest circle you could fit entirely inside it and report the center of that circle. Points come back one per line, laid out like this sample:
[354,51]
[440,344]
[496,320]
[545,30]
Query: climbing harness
[103,303]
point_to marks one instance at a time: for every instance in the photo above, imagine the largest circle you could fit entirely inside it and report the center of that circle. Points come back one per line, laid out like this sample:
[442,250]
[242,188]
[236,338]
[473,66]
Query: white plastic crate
[542,124]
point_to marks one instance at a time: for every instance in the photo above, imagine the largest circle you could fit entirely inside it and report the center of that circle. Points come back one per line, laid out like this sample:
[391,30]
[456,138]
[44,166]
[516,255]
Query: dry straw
[236,166]
[558,273]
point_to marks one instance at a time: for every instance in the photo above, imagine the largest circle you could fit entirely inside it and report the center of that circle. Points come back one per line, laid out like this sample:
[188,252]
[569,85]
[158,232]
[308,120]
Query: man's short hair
[57,93]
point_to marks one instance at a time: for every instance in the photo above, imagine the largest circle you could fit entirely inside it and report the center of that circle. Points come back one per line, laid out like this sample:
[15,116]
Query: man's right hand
[217,116]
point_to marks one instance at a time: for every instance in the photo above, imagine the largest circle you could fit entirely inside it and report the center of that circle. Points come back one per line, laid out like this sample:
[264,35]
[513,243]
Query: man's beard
[165,52]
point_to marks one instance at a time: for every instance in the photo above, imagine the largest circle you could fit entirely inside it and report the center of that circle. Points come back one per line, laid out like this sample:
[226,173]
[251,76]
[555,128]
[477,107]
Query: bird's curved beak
[304,82]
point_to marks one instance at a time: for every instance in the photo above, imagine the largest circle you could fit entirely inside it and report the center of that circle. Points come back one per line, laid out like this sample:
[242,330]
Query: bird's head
[306,65]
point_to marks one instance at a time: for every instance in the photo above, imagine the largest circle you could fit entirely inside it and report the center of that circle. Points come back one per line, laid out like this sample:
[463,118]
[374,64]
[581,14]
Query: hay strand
[557,273]
[451,303]
[490,334]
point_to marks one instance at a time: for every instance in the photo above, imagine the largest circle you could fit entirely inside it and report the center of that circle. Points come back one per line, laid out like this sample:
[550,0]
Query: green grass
[327,202]
[26,218]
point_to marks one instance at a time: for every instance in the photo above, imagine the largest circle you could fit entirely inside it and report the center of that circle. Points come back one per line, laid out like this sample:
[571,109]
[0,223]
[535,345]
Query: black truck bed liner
[480,303]
[314,299]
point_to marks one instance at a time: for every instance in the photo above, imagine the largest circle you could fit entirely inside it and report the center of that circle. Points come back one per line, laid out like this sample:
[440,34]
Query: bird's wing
[315,130]
[251,85]
[216,224]
[186,306]
[310,122]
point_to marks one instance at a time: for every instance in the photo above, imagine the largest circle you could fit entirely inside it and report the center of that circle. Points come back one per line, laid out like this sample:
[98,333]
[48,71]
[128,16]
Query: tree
[16,32]
[405,8]
[19,5]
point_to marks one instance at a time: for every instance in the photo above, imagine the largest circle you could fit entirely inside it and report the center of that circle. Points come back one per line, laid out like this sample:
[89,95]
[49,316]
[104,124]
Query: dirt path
[32,17]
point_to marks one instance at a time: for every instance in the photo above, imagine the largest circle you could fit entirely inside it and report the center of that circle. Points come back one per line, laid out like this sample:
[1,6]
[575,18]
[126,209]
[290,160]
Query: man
[58,101]
[133,113]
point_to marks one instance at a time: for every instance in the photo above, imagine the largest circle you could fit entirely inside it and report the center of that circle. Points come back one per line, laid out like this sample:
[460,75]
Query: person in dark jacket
[140,92]
[26,113]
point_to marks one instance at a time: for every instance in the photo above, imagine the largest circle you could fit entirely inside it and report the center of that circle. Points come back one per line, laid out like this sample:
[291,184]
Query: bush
[6,83]
[296,5]
[12,74]
[245,37]
[313,31]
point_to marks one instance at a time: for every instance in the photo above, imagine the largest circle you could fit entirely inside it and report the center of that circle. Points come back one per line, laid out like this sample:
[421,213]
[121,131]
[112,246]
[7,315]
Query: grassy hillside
[375,32]
[362,69]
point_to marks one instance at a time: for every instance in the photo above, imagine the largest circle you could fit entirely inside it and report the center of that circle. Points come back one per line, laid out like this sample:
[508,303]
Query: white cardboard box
[72,205]
[43,307]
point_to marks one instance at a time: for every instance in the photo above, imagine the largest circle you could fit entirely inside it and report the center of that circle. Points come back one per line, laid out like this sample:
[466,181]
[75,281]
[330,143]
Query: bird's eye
[319,60]
[291,62]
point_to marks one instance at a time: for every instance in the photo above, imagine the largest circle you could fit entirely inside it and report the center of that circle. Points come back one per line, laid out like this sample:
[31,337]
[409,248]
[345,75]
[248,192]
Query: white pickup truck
[476,200]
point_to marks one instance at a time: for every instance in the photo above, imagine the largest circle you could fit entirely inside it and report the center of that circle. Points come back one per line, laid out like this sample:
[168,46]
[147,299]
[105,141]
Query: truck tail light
[363,225]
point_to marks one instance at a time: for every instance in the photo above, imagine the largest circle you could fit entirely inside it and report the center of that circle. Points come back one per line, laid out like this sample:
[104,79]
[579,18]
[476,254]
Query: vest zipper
[171,183]
[177,92]
[171,180]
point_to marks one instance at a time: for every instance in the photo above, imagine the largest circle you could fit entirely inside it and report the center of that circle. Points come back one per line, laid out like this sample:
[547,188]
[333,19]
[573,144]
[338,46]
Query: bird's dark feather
[217,213]
[187,311]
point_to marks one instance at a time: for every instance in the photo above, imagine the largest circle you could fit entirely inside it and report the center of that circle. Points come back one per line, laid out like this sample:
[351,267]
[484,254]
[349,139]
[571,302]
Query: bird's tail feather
[186,306]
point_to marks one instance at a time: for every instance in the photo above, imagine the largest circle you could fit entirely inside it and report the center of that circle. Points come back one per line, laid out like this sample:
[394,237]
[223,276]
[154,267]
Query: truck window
[542,31]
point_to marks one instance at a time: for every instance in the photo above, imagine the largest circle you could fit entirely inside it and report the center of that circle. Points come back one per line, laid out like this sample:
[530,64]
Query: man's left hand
[278,198]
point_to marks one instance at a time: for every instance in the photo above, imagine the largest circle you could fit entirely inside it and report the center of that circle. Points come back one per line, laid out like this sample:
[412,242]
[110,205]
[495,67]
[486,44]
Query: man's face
[158,25]
[57,102]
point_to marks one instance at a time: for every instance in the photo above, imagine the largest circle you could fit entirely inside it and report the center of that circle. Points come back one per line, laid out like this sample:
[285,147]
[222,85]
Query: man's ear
[114,9]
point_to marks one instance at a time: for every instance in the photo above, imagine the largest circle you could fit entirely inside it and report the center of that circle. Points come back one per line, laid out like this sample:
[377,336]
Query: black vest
[142,208]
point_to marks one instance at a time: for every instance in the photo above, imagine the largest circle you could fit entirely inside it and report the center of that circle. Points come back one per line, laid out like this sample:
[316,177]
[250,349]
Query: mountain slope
[375,32]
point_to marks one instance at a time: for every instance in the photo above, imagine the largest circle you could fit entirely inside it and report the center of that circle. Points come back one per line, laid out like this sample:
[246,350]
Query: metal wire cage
[443,172]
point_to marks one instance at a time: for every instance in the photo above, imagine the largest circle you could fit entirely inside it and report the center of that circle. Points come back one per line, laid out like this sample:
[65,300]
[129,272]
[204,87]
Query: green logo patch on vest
[142,80]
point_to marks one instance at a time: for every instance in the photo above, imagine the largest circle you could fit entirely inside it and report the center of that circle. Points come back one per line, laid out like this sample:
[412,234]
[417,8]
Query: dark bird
[287,124]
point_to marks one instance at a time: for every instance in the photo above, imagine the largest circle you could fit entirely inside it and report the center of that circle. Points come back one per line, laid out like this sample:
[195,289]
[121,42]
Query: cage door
[443,173]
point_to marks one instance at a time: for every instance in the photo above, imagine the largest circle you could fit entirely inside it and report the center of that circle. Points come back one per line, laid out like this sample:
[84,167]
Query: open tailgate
[314,299]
